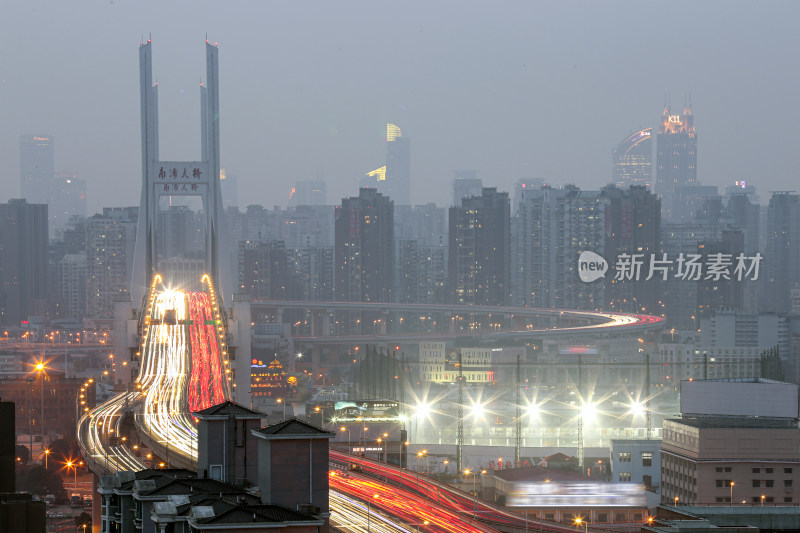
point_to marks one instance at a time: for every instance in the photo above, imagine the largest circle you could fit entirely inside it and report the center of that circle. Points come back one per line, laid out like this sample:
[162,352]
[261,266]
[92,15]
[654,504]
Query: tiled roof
[230,408]
[245,514]
[166,486]
[293,426]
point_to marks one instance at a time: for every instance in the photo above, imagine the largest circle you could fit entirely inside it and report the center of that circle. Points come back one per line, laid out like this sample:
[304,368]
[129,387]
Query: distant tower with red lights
[676,161]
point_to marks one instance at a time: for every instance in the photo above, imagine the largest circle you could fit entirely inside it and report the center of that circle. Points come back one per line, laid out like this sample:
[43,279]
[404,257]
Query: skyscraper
[676,162]
[364,248]
[398,166]
[110,243]
[782,259]
[37,167]
[553,227]
[394,178]
[479,266]
[632,160]
[23,261]
[632,226]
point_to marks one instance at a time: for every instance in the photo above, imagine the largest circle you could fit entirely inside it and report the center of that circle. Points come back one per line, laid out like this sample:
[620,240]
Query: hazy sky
[511,89]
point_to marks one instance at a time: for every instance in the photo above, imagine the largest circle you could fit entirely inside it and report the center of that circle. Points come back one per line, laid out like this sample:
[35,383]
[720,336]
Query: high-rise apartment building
[23,261]
[37,167]
[72,283]
[782,261]
[632,160]
[110,244]
[67,199]
[479,264]
[364,249]
[676,162]
[553,227]
[632,226]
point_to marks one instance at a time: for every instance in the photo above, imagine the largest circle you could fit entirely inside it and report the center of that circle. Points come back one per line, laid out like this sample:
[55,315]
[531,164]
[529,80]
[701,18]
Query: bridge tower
[178,178]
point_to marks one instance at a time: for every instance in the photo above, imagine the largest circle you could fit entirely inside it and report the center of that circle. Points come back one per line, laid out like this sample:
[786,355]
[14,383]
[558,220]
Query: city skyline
[509,100]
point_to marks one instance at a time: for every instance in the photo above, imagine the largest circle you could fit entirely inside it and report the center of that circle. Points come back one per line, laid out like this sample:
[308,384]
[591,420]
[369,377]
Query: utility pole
[518,428]
[581,413]
[460,444]
[648,411]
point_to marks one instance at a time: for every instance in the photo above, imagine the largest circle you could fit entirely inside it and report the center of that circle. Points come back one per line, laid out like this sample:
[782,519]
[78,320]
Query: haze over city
[513,91]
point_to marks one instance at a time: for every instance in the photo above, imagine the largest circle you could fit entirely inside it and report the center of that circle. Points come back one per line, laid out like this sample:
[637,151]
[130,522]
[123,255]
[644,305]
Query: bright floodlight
[477,410]
[588,411]
[637,409]
[533,410]
[423,409]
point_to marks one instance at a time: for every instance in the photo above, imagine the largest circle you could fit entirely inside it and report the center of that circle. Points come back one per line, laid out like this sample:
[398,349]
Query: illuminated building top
[677,123]
[392,132]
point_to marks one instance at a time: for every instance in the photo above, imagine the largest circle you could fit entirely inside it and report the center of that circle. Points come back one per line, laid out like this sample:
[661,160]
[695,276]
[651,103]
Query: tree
[22,453]
[83,519]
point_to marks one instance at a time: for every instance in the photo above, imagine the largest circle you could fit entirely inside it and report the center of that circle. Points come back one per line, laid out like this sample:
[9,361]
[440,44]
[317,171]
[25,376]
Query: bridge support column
[314,322]
[326,323]
[384,321]
[451,318]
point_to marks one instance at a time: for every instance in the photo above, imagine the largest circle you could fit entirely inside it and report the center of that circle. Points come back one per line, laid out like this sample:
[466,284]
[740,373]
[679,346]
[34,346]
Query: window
[624,476]
[768,470]
[787,499]
[602,517]
[755,499]
[719,469]
[647,481]
[620,517]
[727,469]
[719,499]
[787,482]
[624,457]
[756,483]
[770,499]
[787,470]
[768,483]
[756,471]
[549,516]
[647,458]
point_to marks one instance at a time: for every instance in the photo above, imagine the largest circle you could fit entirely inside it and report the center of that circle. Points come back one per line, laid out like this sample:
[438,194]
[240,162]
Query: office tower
[229,187]
[23,261]
[398,166]
[110,244]
[554,226]
[676,162]
[465,183]
[309,192]
[632,160]
[782,261]
[632,226]
[394,178]
[364,248]
[479,264]
[37,167]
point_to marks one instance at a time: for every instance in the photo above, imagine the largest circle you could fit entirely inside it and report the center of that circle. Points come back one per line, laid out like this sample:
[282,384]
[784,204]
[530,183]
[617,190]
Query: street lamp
[580,521]
[280,400]
[71,464]
[676,501]
[732,484]
[46,455]
[475,486]
[40,370]
[374,496]
[349,449]
[763,497]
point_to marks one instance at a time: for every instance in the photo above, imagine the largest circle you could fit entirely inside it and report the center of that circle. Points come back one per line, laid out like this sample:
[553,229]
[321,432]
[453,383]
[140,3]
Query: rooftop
[228,408]
[736,422]
[292,427]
